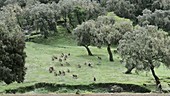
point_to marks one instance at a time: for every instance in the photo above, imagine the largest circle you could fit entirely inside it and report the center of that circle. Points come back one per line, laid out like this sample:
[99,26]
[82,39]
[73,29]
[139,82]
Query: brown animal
[63,73]
[65,59]
[60,60]
[52,59]
[55,74]
[69,54]
[94,79]
[51,69]
[61,64]
[59,72]
[55,57]
[68,64]
[85,63]
[75,76]
[99,58]
[68,70]
[90,65]
[79,66]
[62,55]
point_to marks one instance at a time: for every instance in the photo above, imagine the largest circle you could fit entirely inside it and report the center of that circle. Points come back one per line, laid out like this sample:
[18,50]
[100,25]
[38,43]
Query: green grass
[39,60]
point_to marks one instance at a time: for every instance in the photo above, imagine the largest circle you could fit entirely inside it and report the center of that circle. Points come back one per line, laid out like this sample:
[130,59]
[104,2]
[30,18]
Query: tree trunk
[78,18]
[129,70]
[65,24]
[158,83]
[89,51]
[70,21]
[110,53]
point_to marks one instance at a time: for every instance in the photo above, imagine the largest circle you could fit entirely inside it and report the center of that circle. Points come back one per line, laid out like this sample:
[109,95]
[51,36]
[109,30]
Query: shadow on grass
[94,88]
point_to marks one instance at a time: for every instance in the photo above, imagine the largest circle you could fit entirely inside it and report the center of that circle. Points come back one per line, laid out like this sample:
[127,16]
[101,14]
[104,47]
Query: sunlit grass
[39,60]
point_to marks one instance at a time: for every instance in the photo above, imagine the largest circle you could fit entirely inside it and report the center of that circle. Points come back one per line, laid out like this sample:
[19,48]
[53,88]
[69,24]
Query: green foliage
[145,48]
[126,10]
[84,33]
[40,17]
[143,45]
[159,18]
[12,44]
[75,12]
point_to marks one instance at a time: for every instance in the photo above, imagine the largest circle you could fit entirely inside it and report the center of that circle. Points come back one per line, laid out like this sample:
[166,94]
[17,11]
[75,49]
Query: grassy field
[39,56]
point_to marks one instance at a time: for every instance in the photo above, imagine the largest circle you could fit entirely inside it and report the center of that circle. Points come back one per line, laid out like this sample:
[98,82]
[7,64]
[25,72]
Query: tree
[126,10]
[12,44]
[106,32]
[84,35]
[74,12]
[40,17]
[158,18]
[110,32]
[145,48]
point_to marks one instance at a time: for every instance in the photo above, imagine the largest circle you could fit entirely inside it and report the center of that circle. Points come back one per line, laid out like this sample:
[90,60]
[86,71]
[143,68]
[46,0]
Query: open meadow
[39,59]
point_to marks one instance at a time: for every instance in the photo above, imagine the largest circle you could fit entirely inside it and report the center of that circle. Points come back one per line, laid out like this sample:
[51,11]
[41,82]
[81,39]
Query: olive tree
[74,12]
[158,18]
[12,44]
[84,35]
[110,32]
[40,17]
[145,48]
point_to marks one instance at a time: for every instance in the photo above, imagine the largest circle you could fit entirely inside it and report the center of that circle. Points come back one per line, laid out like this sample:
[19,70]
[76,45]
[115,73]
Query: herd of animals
[63,61]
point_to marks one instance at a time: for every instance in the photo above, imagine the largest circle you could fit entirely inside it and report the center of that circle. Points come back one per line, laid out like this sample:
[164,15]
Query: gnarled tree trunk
[158,83]
[110,53]
[89,51]
[129,70]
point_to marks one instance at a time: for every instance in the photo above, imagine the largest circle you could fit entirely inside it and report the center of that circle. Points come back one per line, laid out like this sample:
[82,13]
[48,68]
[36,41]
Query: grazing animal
[65,59]
[52,59]
[65,56]
[62,55]
[69,54]
[67,63]
[51,69]
[99,58]
[79,66]
[59,72]
[68,70]
[85,63]
[94,79]
[55,57]
[75,76]
[61,64]
[55,74]
[63,73]
[60,60]
[90,65]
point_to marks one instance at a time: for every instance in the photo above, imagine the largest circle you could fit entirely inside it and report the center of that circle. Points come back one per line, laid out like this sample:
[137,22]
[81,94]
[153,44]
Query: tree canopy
[12,44]
[144,49]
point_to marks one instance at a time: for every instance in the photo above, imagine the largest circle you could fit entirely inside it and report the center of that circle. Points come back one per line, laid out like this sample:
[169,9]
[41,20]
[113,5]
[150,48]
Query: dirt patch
[94,88]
